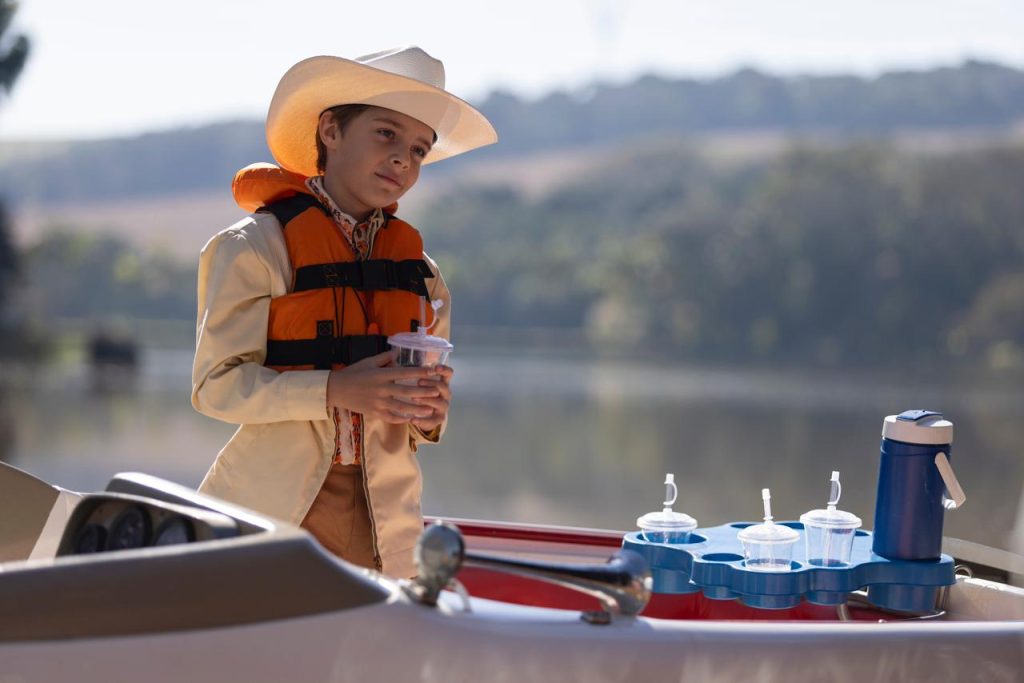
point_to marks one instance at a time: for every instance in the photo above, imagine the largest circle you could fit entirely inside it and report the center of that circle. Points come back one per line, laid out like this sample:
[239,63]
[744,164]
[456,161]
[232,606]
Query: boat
[150,580]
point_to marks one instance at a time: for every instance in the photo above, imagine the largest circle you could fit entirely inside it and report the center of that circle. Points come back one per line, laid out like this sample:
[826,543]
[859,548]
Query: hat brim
[319,83]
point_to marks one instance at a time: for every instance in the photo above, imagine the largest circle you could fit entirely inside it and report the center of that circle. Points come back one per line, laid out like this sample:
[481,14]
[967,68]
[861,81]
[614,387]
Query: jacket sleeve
[442,328]
[229,380]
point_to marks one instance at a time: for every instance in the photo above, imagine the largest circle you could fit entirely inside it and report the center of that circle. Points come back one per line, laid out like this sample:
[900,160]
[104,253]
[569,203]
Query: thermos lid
[924,427]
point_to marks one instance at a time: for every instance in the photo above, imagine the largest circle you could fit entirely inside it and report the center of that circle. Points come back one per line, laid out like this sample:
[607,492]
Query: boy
[297,300]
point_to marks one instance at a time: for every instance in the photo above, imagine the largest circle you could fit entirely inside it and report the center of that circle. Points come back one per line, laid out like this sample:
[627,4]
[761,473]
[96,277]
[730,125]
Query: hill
[976,97]
[748,218]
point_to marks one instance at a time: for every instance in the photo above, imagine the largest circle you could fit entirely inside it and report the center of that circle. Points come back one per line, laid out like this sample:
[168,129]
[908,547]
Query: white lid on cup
[831,518]
[420,341]
[667,519]
[769,532]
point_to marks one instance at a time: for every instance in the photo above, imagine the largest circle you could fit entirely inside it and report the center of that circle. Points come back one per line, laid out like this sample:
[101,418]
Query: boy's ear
[328,130]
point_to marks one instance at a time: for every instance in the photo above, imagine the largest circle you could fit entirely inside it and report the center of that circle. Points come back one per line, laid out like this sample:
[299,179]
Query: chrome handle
[622,585]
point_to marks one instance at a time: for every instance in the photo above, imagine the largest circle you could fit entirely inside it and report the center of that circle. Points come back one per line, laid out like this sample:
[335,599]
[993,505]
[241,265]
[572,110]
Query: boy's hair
[343,115]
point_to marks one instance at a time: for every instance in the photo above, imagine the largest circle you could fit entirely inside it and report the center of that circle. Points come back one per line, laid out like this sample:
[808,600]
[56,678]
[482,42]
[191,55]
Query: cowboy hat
[406,80]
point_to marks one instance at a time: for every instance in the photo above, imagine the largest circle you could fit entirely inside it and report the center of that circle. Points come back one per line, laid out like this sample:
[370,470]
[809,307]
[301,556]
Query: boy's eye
[419,151]
[386,132]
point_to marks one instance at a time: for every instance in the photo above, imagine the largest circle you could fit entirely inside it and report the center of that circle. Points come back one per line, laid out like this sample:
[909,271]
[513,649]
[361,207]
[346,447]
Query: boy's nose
[400,160]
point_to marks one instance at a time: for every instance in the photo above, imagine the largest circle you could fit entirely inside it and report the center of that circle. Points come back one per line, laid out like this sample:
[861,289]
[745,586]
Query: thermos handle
[957,497]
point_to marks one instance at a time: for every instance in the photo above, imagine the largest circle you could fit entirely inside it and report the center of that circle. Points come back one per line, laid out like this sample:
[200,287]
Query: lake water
[565,440]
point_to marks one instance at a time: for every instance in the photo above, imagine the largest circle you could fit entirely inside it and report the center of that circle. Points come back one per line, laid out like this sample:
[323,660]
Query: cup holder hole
[793,566]
[722,557]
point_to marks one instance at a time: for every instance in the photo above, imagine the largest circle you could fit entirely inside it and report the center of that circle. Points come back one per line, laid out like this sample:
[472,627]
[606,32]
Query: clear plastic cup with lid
[666,525]
[768,547]
[420,349]
[829,533]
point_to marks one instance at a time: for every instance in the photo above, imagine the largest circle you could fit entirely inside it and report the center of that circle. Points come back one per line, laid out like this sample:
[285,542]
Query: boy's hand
[439,380]
[369,387]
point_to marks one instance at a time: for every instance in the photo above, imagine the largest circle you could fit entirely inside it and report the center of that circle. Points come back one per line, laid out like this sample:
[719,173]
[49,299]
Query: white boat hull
[214,612]
[398,641]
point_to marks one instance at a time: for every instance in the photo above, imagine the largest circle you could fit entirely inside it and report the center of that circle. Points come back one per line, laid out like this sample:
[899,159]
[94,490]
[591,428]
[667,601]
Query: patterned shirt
[348,443]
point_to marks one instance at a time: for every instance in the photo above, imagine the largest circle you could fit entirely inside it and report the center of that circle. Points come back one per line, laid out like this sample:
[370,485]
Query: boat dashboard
[142,511]
[117,521]
[150,556]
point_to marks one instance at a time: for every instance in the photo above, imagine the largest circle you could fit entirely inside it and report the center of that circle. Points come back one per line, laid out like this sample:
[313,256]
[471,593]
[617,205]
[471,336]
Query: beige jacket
[279,458]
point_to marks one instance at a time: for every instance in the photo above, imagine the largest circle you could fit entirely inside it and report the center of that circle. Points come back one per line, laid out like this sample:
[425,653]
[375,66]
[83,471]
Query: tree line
[971,95]
[861,255]
[854,256]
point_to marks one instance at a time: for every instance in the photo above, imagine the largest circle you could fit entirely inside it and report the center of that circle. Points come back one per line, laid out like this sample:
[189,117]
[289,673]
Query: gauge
[174,531]
[129,530]
[90,539]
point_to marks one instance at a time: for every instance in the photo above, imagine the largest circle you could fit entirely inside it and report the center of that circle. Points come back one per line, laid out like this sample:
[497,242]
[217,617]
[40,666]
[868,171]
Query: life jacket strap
[370,275]
[324,352]
[374,274]
[284,210]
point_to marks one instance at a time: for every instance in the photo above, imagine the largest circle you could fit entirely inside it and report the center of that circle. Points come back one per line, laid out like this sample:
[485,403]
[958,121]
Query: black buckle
[331,275]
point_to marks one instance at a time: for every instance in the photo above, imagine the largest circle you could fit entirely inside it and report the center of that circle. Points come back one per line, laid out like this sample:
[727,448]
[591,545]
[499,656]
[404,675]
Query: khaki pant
[340,518]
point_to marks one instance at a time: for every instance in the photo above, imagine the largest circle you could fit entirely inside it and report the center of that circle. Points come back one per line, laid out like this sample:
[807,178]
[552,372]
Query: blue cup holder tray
[712,562]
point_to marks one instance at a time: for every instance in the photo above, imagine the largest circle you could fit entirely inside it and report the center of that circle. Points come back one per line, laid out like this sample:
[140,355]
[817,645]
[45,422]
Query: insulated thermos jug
[914,477]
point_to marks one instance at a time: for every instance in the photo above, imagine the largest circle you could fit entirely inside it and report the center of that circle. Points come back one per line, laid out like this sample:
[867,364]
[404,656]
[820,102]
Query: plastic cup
[768,547]
[666,527]
[418,350]
[829,535]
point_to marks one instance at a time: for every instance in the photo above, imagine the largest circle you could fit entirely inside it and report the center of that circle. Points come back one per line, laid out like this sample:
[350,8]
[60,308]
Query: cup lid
[667,520]
[768,533]
[831,519]
[923,427]
[420,342]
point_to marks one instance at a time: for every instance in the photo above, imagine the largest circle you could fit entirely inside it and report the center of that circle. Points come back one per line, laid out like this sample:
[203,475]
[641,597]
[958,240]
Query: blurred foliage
[8,260]
[974,94]
[13,53]
[98,278]
[149,165]
[852,253]
[861,255]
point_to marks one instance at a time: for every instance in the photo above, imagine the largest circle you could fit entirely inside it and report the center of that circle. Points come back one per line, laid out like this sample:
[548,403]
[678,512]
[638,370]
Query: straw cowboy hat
[406,80]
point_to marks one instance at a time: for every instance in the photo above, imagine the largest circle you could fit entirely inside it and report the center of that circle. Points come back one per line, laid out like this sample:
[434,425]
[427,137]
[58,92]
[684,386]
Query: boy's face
[375,160]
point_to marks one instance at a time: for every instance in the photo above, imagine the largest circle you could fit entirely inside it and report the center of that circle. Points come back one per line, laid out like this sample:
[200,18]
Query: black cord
[337,323]
[366,316]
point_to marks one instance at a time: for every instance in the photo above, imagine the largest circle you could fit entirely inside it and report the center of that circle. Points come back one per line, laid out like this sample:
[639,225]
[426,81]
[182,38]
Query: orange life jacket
[340,309]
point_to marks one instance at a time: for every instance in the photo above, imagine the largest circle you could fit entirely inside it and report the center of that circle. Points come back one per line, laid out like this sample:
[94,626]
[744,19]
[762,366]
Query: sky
[109,68]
